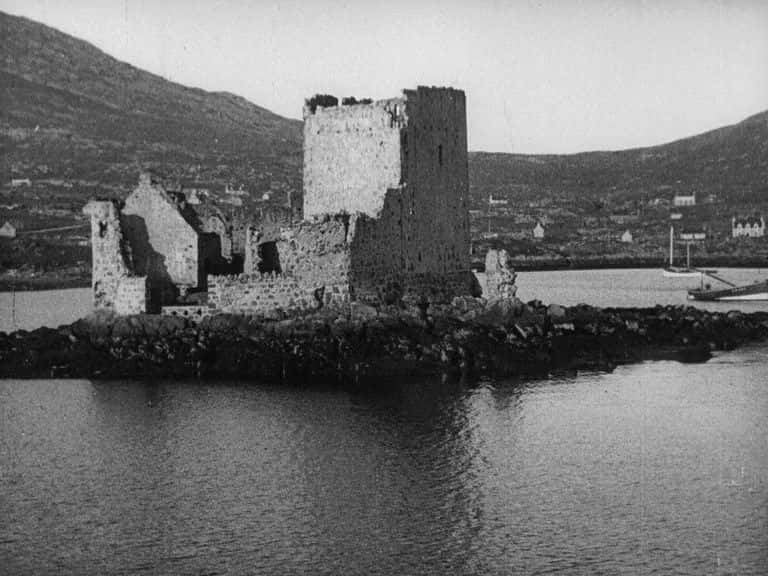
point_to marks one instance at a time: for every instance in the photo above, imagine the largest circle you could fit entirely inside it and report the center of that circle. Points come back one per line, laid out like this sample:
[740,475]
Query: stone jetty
[469,338]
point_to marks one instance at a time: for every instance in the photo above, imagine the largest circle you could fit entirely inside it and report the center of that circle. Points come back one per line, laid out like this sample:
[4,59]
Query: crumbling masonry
[385,208]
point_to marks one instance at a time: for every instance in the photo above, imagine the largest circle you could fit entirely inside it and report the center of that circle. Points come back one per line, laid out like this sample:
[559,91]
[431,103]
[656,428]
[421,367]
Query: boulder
[555,311]
[361,312]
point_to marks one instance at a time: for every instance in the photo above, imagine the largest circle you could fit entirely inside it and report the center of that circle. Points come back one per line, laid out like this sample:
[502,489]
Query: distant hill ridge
[69,110]
[731,161]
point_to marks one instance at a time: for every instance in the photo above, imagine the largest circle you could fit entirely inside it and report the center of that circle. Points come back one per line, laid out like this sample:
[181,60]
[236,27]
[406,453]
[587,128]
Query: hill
[730,162]
[588,200]
[70,111]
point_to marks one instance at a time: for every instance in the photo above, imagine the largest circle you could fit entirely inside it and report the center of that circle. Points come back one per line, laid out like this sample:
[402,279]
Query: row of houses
[749,227]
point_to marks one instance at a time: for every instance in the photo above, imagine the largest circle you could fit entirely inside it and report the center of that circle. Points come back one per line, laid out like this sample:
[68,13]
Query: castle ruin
[385,218]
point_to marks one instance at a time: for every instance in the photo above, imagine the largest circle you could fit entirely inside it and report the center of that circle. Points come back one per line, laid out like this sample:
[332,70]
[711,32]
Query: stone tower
[402,165]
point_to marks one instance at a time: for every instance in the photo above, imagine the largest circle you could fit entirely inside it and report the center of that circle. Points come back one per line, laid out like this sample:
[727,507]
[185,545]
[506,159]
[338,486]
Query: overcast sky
[560,76]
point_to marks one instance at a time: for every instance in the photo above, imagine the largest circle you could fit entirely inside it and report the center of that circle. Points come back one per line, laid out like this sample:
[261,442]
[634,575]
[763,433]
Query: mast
[688,254]
[671,244]
[489,213]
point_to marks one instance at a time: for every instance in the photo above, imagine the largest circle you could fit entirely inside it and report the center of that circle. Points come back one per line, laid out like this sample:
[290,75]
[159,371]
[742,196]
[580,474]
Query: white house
[8,230]
[16,182]
[684,200]
[538,230]
[497,201]
[626,238]
[748,227]
[693,235]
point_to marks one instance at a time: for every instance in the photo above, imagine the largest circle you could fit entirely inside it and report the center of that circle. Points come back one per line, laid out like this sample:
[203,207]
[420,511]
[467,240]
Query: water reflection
[654,467]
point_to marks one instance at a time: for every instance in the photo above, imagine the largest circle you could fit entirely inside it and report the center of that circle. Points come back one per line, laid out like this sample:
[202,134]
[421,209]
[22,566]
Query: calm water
[629,288]
[656,468]
[29,310]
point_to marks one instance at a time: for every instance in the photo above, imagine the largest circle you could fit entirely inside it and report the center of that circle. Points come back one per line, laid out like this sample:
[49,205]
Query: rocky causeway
[468,338]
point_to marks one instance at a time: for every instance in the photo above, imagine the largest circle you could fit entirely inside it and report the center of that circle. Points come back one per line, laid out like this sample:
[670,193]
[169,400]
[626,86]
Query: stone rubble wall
[499,277]
[131,295]
[317,252]
[376,247]
[195,313]
[253,238]
[114,285]
[257,294]
[430,288]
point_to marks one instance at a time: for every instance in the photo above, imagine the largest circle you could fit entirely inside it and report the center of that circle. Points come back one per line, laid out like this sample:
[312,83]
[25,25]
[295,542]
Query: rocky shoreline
[471,338]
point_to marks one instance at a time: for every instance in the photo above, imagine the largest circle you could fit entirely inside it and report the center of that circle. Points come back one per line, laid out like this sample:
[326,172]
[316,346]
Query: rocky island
[374,283]
[469,338]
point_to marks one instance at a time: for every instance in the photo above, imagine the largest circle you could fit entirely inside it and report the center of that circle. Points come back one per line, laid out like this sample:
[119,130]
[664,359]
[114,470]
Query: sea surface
[654,468]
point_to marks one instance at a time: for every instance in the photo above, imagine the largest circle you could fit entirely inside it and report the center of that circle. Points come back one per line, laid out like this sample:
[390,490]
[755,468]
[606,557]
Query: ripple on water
[657,467]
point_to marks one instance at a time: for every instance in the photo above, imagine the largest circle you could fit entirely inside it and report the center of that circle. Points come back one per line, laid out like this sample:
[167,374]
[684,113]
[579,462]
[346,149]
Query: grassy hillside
[588,200]
[68,110]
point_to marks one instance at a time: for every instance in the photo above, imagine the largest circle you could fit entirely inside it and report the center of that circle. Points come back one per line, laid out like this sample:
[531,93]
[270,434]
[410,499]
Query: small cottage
[626,238]
[684,200]
[538,230]
[748,227]
[693,235]
[8,230]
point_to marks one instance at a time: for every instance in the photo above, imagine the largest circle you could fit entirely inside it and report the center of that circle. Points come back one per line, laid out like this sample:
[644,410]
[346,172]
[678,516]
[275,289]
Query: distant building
[538,230]
[233,200]
[236,192]
[196,195]
[8,230]
[497,201]
[675,216]
[17,182]
[684,200]
[193,197]
[693,235]
[627,237]
[753,227]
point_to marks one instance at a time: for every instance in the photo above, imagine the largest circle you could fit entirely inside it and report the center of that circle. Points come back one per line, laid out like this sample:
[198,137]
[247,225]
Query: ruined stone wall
[314,255]
[257,294]
[377,252]
[164,245]
[352,156]
[499,277]
[215,224]
[131,295]
[317,252]
[115,287]
[195,313]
